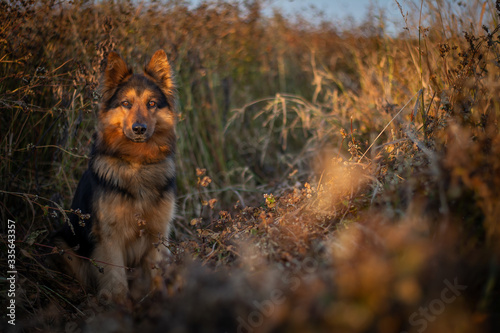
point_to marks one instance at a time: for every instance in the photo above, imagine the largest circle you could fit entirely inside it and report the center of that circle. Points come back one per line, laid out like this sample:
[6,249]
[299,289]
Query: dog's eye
[126,104]
[151,104]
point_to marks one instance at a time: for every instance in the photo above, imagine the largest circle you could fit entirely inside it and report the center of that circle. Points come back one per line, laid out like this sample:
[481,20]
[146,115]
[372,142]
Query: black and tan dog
[129,187]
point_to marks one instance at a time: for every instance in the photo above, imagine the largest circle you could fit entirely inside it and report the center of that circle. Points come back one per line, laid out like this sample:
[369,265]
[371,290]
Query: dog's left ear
[116,72]
[159,69]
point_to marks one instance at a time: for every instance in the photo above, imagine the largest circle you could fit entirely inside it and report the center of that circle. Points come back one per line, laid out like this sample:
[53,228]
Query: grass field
[330,179]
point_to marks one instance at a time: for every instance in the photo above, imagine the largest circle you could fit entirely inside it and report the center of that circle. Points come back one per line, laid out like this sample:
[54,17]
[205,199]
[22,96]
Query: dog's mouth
[139,139]
[136,138]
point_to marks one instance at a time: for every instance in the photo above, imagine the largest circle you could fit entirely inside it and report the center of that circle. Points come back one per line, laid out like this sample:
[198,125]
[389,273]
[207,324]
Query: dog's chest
[134,201]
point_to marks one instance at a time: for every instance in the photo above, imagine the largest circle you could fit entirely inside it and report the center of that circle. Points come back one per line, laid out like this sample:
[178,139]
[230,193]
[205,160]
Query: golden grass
[351,177]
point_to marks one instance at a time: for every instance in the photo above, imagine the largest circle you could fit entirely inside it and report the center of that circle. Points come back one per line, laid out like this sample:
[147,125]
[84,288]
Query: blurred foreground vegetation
[353,174]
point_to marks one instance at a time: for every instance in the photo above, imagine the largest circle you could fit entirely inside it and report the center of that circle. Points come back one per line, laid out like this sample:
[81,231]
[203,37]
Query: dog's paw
[117,294]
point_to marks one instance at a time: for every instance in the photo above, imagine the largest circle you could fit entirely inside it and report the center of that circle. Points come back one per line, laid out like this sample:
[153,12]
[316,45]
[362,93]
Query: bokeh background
[338,166]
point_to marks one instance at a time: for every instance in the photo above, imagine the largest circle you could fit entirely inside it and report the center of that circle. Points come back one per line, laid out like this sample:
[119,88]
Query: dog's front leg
[112,280]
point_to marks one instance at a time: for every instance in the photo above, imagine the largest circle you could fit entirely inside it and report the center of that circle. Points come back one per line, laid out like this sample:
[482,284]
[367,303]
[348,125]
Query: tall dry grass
[378,155]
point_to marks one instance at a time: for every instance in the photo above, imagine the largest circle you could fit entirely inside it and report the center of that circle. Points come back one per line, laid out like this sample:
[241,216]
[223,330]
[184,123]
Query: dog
[125,201]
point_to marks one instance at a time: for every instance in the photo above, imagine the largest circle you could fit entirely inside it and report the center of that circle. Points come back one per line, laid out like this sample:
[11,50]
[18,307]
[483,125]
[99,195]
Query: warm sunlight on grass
[330,179]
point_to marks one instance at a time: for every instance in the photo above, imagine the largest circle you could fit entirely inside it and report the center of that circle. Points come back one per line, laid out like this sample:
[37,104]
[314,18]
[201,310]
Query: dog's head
[137,112]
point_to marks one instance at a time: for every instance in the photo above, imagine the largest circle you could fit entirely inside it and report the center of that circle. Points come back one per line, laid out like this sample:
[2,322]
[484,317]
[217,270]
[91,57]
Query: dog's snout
[139,129]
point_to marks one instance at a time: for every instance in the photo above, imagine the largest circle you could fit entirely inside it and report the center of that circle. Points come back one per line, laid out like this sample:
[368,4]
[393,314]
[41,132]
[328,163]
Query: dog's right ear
[160,71]
[116,72]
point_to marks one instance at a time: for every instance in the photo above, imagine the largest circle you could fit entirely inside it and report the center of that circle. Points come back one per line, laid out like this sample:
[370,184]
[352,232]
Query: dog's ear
[159,70]
[116,72]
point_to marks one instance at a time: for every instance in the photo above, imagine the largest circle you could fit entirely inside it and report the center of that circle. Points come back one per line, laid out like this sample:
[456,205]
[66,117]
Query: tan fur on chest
[128,223]
[138,179]
[134,224]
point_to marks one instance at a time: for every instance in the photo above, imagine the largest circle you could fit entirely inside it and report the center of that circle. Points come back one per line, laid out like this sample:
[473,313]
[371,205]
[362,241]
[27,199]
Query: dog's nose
[139,129]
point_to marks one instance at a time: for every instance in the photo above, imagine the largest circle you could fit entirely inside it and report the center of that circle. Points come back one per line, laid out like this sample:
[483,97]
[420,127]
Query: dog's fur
[129,187]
